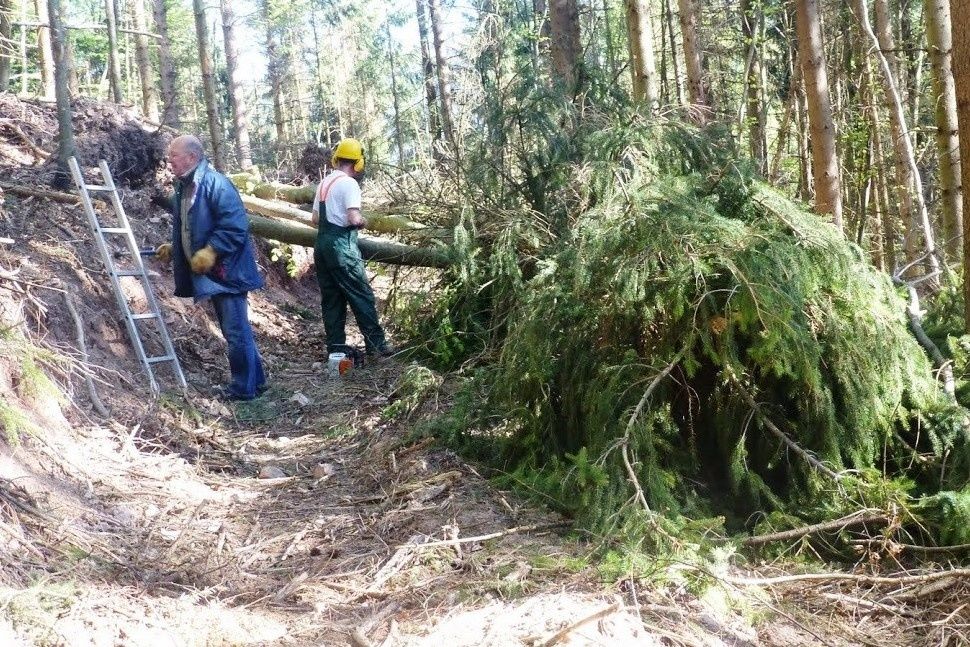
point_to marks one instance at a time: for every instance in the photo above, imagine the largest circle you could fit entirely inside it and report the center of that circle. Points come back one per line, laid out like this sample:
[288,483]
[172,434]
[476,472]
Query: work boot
[384,351]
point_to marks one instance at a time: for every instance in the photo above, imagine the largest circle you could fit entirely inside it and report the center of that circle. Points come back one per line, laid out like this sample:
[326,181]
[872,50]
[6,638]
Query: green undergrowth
[26,366]
[659,314]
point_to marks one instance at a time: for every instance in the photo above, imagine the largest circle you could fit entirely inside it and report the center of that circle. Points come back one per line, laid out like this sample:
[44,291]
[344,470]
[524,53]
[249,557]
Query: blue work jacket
[217,218]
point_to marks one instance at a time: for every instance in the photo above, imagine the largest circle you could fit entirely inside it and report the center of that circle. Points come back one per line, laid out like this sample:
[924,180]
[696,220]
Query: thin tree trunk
[398,128]
[675,67]
[24,84]
[430,89]
[65,131]
[6,45]
[696,89]
[209,86]
[444,80]
[825,162]
[882,200]
[610,40]
[321,101]
[274,70]
[908,174]
[240,111]
[114,69]
[960,15]
[166,66]
[788,119]
[45,54]
[149,95]
[643,66]
[752,20]
[940,43]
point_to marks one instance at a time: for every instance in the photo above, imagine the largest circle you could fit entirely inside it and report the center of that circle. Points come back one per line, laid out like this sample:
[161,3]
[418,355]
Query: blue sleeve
[230,222]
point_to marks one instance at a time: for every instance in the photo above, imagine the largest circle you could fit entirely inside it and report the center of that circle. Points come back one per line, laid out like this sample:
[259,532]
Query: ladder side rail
[153,305]
[110,269]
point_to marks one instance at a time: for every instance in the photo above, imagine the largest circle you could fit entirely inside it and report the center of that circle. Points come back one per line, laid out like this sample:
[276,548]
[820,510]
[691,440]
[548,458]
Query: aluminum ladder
[123,230]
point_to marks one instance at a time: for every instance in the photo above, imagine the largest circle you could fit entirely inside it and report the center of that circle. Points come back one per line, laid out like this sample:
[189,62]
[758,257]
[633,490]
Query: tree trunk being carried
[372,249]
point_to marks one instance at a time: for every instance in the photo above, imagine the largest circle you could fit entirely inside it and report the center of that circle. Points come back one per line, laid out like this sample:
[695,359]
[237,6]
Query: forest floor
[313,515]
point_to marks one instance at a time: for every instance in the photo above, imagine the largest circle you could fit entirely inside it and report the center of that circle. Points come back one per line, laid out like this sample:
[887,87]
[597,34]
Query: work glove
[164,252]
[203,260]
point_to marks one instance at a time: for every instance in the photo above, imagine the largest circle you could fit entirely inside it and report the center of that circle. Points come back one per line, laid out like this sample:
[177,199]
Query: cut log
[378,222]
[371,248]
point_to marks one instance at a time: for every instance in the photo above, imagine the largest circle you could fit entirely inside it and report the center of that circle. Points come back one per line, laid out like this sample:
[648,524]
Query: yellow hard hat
[349,149]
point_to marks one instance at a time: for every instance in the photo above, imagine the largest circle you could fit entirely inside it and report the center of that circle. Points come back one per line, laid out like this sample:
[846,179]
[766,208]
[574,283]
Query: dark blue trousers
[245,365]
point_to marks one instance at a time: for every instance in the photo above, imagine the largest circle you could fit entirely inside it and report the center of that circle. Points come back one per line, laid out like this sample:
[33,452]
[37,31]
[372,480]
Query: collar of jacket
[195,176]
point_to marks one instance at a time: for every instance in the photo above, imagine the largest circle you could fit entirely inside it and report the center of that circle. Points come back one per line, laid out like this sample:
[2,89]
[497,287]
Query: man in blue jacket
[212,258]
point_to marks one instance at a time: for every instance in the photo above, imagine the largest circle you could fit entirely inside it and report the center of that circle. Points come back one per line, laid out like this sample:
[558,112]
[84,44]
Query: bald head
[184,154]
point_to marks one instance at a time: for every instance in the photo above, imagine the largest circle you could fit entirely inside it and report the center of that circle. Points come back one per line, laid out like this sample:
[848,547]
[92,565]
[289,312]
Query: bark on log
[376,222]
[371,248]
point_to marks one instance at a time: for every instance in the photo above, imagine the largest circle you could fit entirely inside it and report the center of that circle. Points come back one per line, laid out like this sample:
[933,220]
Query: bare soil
[312,515]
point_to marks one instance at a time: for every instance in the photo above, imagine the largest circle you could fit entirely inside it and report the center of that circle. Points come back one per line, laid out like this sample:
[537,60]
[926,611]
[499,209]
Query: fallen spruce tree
[696,346]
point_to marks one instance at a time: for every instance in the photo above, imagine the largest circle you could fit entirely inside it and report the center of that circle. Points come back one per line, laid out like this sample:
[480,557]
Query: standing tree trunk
[444,80]
[752,20]
[825,162]
[960,15]
[908,174]
[6,45]
[166,66]
[940,43]
[149,95]
[240,111]
[643,66]
[209,87]
[696,89]
[274,70]
[565,48]
[398,134]
[325,128]
[114,69]
[44,50]
[24,84]
[430,90]
[675,67]
[65,131]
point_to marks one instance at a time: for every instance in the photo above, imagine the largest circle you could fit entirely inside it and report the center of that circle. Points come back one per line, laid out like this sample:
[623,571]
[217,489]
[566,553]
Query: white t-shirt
[340,192]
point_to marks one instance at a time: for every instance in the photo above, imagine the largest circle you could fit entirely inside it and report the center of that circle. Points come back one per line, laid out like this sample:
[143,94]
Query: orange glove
[164,252]
[203,260]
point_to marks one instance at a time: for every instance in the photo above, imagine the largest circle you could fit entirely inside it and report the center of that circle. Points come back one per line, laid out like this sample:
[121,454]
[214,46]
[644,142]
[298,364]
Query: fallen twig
[854,519]
[902,580]
[57,196]
[493,535]
[563,633]
[82,346]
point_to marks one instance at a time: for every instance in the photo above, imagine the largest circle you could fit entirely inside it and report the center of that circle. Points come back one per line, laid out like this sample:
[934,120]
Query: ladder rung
[114,230]
[160,358]
[144,315]
[128,273]
[97,187]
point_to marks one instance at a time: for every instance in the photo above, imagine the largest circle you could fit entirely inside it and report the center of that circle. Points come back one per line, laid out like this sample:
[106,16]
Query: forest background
[623,184]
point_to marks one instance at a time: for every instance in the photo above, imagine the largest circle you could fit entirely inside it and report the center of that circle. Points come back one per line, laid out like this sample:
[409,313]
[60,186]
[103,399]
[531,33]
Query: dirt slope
[310,516]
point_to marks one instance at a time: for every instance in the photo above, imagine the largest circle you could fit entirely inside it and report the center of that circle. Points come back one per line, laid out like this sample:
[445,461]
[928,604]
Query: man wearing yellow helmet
[339,265]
